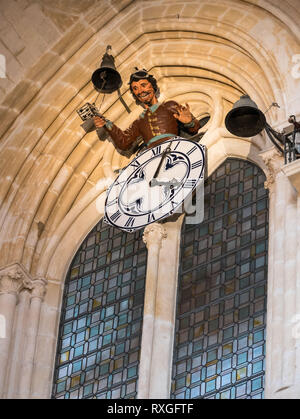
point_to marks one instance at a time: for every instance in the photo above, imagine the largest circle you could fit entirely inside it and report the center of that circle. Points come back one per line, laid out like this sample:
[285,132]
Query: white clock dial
[153,186]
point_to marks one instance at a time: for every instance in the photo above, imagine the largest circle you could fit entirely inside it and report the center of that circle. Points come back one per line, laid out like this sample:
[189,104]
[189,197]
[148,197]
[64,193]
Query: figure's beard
[147,102]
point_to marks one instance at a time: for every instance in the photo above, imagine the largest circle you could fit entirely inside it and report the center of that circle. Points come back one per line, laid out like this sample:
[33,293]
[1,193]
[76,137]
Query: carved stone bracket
[154,234]
[13,278]
[273,160]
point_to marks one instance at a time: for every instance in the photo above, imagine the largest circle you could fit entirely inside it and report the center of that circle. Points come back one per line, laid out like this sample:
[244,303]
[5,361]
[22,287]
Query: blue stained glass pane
[242,358]
[222,291]
[210,386]
[195,377]
[77,366]
[88,390]
[195,392]
[258,351]
[226,379]
[257,367]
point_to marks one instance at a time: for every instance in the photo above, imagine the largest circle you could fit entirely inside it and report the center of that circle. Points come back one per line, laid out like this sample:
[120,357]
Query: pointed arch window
[101,319]
[219,350]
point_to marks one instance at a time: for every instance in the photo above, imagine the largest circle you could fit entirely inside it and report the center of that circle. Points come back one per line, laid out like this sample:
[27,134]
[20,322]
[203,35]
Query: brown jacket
[151,123]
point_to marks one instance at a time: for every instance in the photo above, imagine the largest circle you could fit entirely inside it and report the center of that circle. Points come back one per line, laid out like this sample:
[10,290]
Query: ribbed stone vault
[206,53]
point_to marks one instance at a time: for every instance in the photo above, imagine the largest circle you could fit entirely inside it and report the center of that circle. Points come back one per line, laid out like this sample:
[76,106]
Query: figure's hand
[99,122]
[182,113]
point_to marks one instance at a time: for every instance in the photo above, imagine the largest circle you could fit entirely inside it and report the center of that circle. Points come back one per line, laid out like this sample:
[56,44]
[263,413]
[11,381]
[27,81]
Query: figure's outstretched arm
[122,139]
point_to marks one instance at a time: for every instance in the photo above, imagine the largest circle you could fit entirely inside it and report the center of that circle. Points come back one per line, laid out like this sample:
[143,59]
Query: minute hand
[165,152]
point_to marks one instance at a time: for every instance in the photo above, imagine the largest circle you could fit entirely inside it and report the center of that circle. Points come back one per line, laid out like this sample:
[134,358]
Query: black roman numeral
[116,216]
[191,150]
[130,222]
[190,183]
[196,164]
[157,150]
[135,163]
[176,145]
[151,218]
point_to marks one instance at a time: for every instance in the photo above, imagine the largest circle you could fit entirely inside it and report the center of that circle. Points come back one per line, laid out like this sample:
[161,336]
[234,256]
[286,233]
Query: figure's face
[144,91]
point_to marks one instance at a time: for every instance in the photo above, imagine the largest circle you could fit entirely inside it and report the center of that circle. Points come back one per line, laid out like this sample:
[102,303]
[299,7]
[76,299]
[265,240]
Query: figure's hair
[143,75]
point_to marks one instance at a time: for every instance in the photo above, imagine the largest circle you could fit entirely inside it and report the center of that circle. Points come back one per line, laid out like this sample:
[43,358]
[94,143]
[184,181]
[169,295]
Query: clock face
[154,185]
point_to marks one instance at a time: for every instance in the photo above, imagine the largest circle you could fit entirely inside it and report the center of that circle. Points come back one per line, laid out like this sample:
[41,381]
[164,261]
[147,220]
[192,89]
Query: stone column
[153,236]
[292,172]
[19,340]
[38,290]
[165,313]
[282,281]
[12,280]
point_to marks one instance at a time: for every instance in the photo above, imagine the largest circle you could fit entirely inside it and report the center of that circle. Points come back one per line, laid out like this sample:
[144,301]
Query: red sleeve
[123,139]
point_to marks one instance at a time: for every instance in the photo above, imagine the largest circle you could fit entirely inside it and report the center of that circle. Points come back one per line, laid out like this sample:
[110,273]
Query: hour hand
[171,183]
[165,152]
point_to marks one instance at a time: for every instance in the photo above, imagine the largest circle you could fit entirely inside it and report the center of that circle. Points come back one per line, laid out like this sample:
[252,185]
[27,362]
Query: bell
[106,79]
[245,119]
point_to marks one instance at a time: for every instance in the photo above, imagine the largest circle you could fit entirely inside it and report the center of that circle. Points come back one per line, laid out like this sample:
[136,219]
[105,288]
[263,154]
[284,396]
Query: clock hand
[172,183]
[165,152]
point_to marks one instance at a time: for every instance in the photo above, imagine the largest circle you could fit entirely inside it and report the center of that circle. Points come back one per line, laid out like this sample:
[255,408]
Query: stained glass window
[219,350]
[101,321]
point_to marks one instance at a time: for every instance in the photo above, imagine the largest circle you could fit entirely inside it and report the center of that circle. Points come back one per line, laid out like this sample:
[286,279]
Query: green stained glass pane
[211,356]
[101,261]
[131,372]
[104,369]
[76,366]
[222,289]
[256,384]
[101,322]
[61,386]
[258,336]
[242,358]
[228,333]
[111,296]
[67,328]
[78,351]
[257,367]
[87,390]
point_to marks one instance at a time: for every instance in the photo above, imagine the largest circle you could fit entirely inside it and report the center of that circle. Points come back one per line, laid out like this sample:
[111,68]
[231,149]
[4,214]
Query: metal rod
[123,102]
[270,133]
